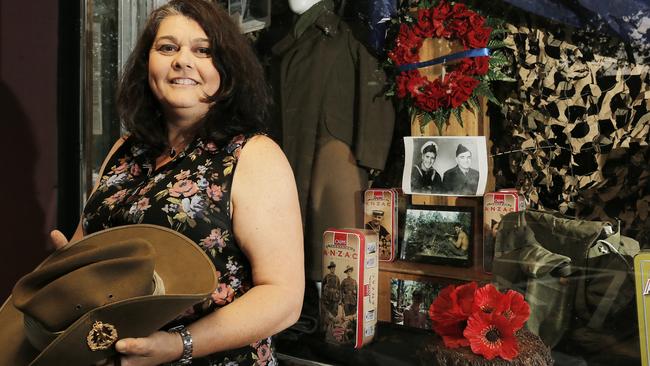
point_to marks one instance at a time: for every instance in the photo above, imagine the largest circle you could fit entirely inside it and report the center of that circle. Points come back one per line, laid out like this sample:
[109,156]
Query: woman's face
[428,159]
[181,72]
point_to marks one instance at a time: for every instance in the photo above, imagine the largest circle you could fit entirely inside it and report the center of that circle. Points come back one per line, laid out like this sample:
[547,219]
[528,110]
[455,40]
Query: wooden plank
[474,124]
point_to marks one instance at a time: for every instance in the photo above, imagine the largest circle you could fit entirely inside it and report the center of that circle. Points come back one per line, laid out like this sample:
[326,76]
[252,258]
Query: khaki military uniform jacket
[576,275]
[328,78]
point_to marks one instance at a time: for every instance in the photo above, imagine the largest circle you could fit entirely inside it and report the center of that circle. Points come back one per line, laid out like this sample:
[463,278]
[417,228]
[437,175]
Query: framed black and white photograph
[438,235]
[410,300]
[445,165]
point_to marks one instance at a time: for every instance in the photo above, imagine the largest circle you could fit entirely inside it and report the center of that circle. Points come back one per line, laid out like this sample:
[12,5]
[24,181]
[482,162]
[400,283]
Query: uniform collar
[314,16]
[320,16]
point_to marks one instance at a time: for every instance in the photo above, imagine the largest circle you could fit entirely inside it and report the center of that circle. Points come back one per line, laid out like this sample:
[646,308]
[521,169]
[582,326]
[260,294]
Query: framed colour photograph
[438,235]
[411,297]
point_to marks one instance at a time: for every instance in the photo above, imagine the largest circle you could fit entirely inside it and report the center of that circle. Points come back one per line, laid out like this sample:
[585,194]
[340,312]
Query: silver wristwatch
[186,357]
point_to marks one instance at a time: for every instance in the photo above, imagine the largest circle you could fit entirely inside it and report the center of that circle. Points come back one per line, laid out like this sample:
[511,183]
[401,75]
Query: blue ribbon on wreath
[476,52]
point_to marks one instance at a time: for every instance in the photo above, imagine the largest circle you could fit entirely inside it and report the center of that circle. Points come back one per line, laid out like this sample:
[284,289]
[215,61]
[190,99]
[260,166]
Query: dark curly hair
[240,106]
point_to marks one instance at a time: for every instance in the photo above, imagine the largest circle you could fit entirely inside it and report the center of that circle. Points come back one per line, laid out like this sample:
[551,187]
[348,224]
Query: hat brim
[188,275]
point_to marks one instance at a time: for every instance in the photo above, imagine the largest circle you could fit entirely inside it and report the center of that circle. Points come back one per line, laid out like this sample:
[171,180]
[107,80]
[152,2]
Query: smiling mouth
[183,81]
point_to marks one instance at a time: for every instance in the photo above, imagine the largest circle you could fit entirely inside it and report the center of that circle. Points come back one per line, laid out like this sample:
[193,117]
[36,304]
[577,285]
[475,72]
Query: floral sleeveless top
[190,194]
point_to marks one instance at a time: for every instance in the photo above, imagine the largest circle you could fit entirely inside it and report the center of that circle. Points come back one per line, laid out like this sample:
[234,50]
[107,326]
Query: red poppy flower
[442,11]
[491,335]
[464,295]
[476,20]
[515,309]
[474,66]
[466,84]
[449,313]
[416,84]
[461,11]
[487,299]
[478,37]
[424,26]
[444,308]
[458,27]
[482,65]
[445,313]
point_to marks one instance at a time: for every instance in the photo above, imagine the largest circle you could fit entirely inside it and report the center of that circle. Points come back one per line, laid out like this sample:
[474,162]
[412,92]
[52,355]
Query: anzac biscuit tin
[495,205]
[349,288]
[380,216]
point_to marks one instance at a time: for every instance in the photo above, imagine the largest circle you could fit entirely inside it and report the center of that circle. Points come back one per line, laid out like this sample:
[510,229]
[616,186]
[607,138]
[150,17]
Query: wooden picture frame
[438,235]
[404,291]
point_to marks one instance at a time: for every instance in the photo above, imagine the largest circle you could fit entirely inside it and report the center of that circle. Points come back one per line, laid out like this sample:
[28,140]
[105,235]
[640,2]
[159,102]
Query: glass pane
[110,29]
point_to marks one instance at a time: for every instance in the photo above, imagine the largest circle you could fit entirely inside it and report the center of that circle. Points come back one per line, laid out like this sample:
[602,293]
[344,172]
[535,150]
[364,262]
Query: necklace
[173,151]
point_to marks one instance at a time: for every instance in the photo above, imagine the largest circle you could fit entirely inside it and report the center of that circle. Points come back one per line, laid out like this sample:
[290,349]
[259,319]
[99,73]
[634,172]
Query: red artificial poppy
[487,299]
[444,310]
[452,333]
[464,297]
[449,313]
[515,309]
[491,335]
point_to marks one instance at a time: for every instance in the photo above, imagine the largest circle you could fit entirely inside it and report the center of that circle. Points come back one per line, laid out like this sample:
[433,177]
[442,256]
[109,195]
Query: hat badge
[101,336]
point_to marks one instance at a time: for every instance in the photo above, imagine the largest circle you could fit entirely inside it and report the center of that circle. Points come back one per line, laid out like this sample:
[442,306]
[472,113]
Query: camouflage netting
[575,133]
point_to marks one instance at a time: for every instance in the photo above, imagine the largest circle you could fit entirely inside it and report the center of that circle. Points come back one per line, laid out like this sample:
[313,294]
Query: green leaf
[484,89]
[497,58]
[496,44]
[457,114]
[425,119]
[496,74]
[496,31]
[441,118]
[474,103]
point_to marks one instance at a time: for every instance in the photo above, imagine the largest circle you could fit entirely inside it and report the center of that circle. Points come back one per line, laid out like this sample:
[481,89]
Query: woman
[194,100]
[424,177]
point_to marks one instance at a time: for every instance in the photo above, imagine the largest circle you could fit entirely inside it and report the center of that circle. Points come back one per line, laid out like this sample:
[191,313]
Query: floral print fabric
[190,194]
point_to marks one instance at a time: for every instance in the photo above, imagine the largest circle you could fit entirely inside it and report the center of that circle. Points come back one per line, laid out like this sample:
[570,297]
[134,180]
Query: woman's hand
[57,239]
[158,348]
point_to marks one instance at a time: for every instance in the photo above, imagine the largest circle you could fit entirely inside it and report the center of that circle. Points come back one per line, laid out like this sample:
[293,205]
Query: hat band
[39,337]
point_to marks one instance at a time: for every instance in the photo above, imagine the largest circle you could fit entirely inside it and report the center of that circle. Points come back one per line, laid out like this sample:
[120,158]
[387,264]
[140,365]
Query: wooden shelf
[421,272]
[474,273]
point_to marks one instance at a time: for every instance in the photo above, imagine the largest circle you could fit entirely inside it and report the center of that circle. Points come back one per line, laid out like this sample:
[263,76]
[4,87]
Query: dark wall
[28,147]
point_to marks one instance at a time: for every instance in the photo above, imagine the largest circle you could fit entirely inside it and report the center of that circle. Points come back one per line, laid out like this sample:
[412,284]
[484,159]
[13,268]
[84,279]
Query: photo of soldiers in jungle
[438,235]
[339,305]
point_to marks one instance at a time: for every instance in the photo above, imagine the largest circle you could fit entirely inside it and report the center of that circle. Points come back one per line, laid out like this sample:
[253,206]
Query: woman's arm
[268,227]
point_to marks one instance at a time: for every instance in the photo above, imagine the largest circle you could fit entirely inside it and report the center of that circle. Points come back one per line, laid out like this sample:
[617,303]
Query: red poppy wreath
[482,318]
[478,64]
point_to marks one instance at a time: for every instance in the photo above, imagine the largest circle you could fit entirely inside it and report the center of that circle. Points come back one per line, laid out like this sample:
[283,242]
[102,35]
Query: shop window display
[542,142]
[568,131]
